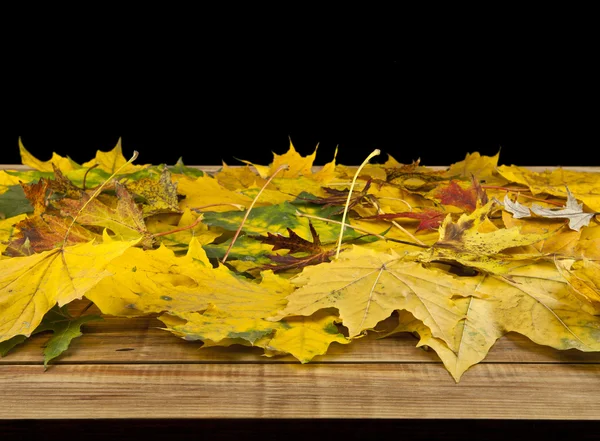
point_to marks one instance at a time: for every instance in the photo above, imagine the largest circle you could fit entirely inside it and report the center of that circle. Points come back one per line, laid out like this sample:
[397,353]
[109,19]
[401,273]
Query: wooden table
[129,369]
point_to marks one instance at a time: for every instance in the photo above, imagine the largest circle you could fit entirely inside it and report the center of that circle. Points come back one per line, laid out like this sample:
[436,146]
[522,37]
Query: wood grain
[362,390]
[137,340]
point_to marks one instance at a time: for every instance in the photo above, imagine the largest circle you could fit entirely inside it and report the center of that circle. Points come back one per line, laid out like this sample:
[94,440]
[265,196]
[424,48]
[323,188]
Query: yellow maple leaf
[207,194]
[238,178]
[474,336]
[304,337]
[366,287]
[298,165]
[158,281]
[533,300]
[215,325]
[483,168]
[585,186]
[30,286]
[584,278]
[179,240]
[563,241]
[112,161]
[62,163]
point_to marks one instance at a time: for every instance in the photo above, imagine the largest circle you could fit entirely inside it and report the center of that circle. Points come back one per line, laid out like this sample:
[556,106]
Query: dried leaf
[31,286]
[573,211]
[366,287]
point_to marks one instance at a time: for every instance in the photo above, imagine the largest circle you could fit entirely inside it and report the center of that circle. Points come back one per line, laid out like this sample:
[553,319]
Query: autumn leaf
[160,195]
[298,165]
[584,277]
[482,168]
[474,336]
[64,164]
[305,337]
[585,186]
[466,198]
[178,235]
[366,287]
[238,178]
[475,242]
[204,192]
[277,219]
[564,242]
[125,220]
[428,219]
[112,161]
[30,286]
[215,326]
[64,327]
[158,281]
[45,233]
[312,252]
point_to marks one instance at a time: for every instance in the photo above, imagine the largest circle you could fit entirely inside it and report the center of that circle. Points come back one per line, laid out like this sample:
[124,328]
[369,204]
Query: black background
[536,107]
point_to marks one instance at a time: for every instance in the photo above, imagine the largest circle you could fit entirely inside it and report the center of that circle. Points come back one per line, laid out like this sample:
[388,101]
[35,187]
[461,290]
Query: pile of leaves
[290,260]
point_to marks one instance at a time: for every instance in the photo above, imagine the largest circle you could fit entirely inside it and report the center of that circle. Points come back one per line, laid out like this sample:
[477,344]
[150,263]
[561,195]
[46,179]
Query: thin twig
[177,230]
[238,206]
[365,162]
[237,233]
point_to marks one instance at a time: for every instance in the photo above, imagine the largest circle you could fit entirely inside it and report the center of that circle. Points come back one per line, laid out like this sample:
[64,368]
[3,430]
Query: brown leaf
[44,233]
[295,244]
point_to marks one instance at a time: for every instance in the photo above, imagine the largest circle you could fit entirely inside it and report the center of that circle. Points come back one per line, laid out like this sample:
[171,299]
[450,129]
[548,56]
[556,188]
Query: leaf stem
[177,230]
[238,206]
[86,173]
[363,230]
[365,162]
[237,233]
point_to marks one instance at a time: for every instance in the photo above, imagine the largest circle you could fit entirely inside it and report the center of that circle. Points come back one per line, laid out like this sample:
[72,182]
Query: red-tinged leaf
[44,233]
[465,198]
[429,219]
[36,194]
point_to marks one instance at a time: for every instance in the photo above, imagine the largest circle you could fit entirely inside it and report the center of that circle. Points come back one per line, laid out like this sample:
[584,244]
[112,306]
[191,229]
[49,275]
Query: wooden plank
[494,391]
[136,340]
